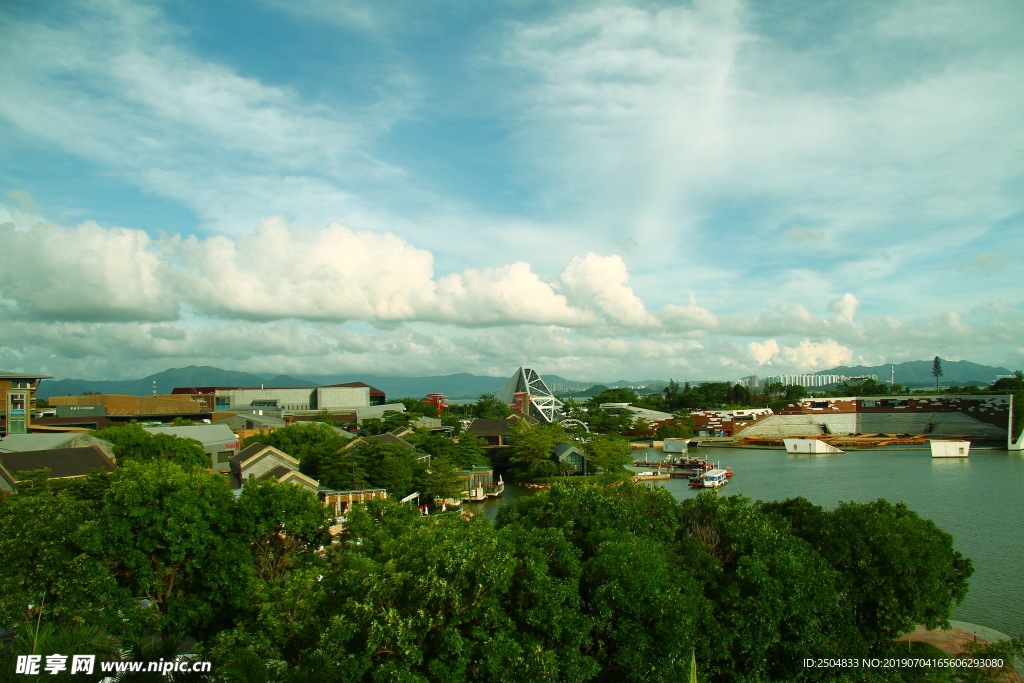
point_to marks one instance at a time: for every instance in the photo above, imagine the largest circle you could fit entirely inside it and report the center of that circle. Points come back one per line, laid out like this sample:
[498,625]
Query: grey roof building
[219,442]
[251,421]
[42,442]
[63,463]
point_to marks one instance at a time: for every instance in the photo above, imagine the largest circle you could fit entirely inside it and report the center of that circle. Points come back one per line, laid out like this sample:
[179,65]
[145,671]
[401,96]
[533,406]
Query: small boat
[696,483]
[714,479]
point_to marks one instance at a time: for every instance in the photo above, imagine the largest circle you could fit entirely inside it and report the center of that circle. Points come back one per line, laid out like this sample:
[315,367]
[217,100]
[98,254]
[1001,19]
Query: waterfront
[979,500]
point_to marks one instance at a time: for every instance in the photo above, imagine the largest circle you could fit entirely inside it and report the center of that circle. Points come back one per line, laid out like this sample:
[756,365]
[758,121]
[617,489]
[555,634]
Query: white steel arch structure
[538,401]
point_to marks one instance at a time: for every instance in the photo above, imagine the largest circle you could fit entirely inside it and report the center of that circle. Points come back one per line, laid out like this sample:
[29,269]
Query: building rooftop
[202,433]
[63,462]
[5,375]
[35,442]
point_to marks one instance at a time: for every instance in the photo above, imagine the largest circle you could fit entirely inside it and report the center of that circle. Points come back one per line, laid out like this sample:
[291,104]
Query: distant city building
[348,395]
[813,380]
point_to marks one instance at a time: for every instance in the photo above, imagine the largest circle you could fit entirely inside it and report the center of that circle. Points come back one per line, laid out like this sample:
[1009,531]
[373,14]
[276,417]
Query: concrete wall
[342,397]
[287,399]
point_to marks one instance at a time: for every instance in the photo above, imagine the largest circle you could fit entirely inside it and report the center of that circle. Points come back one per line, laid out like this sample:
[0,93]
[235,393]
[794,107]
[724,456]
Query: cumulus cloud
[763,353]
[86,273]
[599,283]
[806,356]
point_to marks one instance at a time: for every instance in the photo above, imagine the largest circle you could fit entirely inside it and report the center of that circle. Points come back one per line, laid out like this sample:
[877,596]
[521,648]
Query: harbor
[979,500]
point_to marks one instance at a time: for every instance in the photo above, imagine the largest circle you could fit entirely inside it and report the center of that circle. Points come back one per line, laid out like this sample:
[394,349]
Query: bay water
[979,500]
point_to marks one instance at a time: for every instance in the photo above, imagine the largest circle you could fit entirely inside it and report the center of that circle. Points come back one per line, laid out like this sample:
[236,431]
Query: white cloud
[762,353]
[599,283]
[84,273]
[806,356]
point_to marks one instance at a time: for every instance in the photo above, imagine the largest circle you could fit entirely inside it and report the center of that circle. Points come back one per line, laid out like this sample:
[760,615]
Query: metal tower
[535,399]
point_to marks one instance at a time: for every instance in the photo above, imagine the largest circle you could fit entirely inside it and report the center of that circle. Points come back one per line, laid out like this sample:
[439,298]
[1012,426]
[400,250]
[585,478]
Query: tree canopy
[576,584]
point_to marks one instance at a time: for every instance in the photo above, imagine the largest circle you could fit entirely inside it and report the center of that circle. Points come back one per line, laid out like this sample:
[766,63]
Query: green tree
[615,395]
[673,429]
[652,401]
[603,421]
[441,479]
[936,370]
[672,394]
[280,522]
[48,570]
[895,569]
[133,443]
[393,419]
[641,426]
[795,392]
[466,451]
[172,538]
[310,442]
[436,599]
[532,449]
[608,453]
[373,426]
[489,407]
[773,597]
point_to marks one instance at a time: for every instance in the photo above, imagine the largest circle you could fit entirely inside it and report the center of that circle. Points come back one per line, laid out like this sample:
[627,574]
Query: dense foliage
[578,583]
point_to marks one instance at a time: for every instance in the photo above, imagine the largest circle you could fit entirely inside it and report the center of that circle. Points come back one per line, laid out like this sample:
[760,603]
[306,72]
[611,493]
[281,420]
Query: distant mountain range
[463,385]
[954,372]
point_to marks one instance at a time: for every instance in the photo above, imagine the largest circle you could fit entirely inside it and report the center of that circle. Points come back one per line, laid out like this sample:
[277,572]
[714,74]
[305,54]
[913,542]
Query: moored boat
[714,479]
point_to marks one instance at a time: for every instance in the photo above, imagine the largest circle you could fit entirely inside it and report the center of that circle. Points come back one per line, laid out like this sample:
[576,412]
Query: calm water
[980,501]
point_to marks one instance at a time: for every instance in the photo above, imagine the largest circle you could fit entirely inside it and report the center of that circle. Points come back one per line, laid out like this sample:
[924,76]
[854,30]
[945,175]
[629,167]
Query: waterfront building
[711,423]
[975,416]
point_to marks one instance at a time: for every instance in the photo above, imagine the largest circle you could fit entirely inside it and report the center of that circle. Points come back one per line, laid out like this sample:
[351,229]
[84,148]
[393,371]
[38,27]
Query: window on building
[224,456]
[867,404]
[819,404]
[264,403]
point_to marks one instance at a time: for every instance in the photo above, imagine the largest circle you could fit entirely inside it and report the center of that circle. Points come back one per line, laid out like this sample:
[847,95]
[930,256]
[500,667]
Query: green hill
[957,372]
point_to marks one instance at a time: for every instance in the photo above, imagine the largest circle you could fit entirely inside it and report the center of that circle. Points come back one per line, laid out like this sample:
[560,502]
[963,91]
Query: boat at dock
[715,478]
[950,449]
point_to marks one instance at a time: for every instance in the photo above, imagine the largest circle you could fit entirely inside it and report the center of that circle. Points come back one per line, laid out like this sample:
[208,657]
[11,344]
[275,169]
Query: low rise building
[219,442]
[331,397]
[18,391]
[63,463]
[16,443]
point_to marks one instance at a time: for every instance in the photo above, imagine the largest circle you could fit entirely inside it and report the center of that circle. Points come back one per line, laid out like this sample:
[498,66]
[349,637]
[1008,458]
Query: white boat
[950,449]
[715,478]
[809,446]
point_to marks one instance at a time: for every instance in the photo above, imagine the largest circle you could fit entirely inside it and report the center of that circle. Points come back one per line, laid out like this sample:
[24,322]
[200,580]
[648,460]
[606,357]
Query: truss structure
[535,399]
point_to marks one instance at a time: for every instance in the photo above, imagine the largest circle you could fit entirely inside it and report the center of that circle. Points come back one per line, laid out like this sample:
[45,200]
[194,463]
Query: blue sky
[603,190]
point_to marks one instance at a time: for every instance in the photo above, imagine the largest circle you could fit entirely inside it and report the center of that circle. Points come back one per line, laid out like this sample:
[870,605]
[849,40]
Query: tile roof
[203,433]
[247,453]
[392,439]
[35,442]
[275,473]
[63,462]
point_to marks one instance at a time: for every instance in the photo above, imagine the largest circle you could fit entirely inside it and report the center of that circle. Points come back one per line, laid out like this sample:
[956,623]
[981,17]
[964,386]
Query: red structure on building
[440,401]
